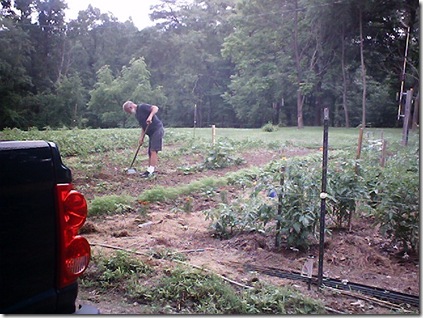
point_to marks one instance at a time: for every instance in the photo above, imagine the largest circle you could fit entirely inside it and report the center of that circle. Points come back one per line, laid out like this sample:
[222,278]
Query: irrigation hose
[380,293]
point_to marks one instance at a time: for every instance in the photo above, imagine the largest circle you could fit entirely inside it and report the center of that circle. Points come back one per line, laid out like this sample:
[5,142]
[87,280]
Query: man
[153,128]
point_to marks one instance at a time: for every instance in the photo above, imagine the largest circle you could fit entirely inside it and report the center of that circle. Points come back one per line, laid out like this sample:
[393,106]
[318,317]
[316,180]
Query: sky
[121,9]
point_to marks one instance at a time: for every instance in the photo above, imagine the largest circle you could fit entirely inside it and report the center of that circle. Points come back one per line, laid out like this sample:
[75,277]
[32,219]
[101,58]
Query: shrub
[269,127]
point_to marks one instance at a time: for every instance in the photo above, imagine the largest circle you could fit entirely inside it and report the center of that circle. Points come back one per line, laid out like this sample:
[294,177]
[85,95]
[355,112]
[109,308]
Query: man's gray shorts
[155,140]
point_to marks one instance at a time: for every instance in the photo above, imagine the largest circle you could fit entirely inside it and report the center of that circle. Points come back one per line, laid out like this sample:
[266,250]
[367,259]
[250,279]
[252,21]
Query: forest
[229,63]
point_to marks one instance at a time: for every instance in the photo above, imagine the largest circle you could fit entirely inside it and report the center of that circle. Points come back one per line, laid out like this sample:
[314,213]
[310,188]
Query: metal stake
[323,196]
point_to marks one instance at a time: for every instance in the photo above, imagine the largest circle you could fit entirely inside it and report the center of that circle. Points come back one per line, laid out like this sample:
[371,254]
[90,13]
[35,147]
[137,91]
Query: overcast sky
[121,9]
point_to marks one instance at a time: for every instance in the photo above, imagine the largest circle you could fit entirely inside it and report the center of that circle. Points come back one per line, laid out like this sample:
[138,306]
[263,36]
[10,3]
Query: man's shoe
[146,174]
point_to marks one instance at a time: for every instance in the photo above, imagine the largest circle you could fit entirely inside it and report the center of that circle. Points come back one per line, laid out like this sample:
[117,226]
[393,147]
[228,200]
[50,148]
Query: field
[170,214]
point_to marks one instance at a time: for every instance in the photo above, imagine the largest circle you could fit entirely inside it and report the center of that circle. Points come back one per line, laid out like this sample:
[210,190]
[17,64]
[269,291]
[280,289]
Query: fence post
[213,134]
[280,198]
[406,120]
[323,196]
[195,118]
[383,154]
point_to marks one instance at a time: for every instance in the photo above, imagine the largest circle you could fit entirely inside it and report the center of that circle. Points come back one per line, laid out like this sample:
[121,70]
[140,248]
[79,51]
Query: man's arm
[154,110]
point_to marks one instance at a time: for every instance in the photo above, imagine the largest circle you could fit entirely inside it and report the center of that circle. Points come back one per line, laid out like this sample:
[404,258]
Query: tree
[73,97]
[259,49]
[183,54]
[110,93]
[15,83]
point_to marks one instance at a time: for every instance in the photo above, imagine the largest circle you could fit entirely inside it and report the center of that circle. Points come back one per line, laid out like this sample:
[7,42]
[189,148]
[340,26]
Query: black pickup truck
[41,253]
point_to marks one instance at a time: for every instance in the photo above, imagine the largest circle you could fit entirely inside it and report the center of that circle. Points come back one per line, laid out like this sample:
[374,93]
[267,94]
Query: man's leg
[153,158]
[155,142]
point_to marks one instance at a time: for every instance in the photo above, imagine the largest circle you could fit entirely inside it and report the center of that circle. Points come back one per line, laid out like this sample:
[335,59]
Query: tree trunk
[415,123]
[300,121]
[363,74]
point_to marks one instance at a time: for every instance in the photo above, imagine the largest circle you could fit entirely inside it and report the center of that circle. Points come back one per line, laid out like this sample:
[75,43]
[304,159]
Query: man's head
[130,107]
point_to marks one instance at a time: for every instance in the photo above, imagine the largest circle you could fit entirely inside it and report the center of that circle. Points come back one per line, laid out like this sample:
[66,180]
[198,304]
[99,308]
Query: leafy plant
[344,187]
[399,195]
[300,201]
[258,210]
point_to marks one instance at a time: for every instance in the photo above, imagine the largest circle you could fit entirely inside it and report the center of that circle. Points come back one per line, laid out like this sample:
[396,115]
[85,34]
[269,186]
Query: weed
[109,272]
[191,292]
[167,254]
[266,299]
[112,204]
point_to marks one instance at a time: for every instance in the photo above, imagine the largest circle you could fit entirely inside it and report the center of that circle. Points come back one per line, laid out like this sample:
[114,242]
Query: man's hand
[154,110]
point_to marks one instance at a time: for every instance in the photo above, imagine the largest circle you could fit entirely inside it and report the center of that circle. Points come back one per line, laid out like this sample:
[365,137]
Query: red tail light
[74,250]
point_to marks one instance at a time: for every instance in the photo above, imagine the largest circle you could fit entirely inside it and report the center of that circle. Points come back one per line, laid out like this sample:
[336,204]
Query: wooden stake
[383,155]
[213,134]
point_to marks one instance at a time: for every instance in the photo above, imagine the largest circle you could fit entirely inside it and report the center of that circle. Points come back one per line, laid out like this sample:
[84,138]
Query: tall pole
[323,195]
[403,73]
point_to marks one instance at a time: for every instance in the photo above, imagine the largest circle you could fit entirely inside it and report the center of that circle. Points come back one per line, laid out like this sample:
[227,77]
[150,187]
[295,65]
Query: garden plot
[361,255]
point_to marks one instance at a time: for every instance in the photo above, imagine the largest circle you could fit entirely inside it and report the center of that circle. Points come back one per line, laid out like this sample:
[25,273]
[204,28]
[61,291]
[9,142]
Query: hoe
[132,170]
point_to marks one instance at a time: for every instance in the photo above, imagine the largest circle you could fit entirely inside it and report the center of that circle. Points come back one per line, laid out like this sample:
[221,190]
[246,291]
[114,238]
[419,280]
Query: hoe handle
[139,145]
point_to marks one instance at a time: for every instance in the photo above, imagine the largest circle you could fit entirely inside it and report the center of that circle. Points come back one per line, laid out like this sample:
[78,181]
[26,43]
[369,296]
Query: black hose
[380,293]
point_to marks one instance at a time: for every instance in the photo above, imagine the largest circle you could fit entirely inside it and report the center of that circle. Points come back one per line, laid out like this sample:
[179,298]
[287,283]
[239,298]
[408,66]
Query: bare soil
[361,255]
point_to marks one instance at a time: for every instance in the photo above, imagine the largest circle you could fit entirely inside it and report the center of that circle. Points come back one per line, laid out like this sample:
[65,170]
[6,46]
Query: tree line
[232,63]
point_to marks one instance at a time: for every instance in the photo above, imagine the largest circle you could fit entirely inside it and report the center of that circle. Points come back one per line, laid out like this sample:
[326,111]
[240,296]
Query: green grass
[310,137]
[82,142]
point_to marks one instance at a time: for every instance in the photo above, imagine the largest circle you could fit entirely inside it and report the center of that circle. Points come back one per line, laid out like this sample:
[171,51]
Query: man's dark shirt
[143,111]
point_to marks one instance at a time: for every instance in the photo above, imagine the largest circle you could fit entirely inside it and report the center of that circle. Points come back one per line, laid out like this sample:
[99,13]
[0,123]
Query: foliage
[218,156]
[398,192]
[192,292]
[111,204]
[345,187]
[267,299]
[300,211]
[258,211]
[113,271]
[230,63]
[186,292]
[110,92]
[269,127]
[393,191]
